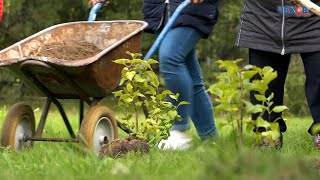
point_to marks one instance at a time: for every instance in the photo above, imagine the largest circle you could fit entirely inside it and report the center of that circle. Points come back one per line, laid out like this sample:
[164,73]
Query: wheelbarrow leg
[81,109]
[45,114]
[43,118]
[64,117]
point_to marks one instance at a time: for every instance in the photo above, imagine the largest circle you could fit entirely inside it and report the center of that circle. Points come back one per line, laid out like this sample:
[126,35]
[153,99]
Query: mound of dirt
[121,147]
[68,50]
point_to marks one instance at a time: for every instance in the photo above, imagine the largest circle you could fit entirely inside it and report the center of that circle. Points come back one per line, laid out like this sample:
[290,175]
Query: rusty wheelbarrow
[44,62]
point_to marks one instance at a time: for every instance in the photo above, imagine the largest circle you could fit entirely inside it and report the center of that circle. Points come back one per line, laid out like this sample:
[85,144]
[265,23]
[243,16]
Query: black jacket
[278,26]
[200,16]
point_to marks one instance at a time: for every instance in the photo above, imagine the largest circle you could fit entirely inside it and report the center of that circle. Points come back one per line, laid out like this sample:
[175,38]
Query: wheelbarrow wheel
[98,127]
[18,124]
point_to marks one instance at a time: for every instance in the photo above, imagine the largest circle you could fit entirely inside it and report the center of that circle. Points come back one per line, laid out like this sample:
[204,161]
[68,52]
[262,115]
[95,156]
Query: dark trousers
[280,63]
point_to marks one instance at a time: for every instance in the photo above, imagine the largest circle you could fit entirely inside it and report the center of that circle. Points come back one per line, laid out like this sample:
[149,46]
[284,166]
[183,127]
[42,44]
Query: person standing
[272,31]
[179,65]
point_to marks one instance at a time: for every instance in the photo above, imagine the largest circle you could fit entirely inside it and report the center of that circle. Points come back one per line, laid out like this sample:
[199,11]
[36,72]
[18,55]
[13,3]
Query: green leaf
[124,71]
[138,104]
[267,69]
[150,92]
[260,97]
[248,67]
[183,103]
[215,90]
[128,100]
[129,116]
[270,97]
[315,129]
[121,61]
[250,126]
[268,135]
[278,109]
[270,104]
[157,110]
[155,82]
[269,74]
[233,96]
[117,93]
[136,55]
[250,108]
[138,62]
[140,94]
[166,104]
[172,114]
[152,61]
[166,92]
[175,97]
[248,74]
[122,81]
[138,78]
[275,131]
[260,86]
[129,87]
[221,108]
[130,75]
[262,123]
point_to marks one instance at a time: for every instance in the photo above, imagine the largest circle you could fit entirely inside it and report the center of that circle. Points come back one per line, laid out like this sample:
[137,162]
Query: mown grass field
[217,159]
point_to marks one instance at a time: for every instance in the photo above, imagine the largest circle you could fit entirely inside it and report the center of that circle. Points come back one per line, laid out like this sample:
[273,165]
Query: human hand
[294,2]
[91,3]
[197,1]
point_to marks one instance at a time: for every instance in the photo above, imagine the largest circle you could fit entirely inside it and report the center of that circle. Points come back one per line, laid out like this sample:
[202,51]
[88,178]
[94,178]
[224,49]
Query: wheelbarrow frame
[95,68]
[27,65]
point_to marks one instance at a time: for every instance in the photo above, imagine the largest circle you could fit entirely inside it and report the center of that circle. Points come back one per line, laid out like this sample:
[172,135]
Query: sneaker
[317,141]
[266,143]
[178,140]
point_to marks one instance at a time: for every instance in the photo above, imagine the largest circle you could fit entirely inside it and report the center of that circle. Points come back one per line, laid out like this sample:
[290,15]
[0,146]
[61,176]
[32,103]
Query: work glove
[91,3]
[294,2]
[297,3]
[197,1]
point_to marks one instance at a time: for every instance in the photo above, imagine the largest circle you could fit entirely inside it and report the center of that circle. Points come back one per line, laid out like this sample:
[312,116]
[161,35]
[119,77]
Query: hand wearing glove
[197,1]
[91,3]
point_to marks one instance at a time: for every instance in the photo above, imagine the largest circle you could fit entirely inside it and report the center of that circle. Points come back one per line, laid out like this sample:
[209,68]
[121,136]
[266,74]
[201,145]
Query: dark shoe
[317,141]
[277,144]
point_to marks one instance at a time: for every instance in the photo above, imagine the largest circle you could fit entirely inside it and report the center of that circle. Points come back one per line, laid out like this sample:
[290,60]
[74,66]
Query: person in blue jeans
[179,65]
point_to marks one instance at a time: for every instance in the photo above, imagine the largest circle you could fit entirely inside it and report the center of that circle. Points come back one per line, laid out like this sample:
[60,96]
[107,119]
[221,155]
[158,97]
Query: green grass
[298,159]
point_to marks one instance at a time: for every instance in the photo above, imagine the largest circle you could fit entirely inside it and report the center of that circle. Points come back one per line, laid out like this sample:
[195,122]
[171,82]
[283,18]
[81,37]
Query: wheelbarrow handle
[310,5]
[94,11]
[166,29]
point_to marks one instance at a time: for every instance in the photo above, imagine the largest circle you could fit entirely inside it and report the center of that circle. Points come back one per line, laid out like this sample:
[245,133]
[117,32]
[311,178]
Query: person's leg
[311,63]
[279,63]
[175,47]
[202,109]
[181,71]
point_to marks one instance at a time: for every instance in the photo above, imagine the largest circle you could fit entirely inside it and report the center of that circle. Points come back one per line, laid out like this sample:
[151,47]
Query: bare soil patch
[121,147]
[67,50]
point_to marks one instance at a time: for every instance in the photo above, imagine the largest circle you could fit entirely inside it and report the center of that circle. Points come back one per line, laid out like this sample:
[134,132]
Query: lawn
[215,159]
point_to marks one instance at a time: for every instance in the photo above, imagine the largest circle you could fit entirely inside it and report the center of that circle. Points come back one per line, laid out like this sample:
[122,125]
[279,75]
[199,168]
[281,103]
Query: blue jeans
[181,71]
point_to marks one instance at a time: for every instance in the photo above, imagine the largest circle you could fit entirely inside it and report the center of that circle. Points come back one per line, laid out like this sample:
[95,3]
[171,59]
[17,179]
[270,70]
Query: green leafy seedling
[232,90]
[139,89]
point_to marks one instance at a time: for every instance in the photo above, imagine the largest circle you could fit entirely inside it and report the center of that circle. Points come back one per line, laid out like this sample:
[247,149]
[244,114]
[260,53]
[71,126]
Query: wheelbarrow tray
[95,76]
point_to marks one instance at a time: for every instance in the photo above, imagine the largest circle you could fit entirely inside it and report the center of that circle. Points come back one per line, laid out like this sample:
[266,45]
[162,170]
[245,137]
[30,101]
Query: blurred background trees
[23,18]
